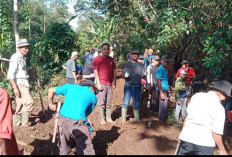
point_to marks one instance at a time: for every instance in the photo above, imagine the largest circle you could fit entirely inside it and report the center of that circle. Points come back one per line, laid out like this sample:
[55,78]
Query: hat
[223,86]
[165,58]
[90,83]
[156,57]
[4,59]
[22,42]
[74,53]
[184,62]
[183,72]
[134,51]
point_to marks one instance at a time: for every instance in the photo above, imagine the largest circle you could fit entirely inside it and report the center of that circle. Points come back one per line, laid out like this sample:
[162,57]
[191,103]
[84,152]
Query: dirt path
[112,139]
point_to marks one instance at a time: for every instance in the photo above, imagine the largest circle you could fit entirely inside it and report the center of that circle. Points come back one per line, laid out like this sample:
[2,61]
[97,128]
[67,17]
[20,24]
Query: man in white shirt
[18,76]
[204,123]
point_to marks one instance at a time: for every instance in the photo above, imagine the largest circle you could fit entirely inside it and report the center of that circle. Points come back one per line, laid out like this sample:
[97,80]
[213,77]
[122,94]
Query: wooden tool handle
[56,122]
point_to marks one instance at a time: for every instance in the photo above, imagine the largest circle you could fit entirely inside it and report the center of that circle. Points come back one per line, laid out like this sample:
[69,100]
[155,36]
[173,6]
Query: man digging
[80,101]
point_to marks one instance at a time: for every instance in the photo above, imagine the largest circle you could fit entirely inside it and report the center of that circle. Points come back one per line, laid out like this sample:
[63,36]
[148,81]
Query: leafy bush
[48,53]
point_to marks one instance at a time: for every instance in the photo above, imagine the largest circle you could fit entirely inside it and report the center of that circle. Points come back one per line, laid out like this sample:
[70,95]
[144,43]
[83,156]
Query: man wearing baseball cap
[162,87]
[189,77]
[152,83]
[80,100]
[18,76]
[180,96]
[133,71]
[204,123]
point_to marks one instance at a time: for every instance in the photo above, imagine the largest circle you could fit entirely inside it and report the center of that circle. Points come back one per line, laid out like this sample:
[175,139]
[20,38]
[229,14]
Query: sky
[72,23]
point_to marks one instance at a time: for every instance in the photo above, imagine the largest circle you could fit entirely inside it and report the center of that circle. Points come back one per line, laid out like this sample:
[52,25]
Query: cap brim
[24,45]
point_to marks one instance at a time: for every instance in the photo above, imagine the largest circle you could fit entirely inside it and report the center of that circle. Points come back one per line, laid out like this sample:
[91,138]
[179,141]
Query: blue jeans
[135,93]
[187,148]
[181,108]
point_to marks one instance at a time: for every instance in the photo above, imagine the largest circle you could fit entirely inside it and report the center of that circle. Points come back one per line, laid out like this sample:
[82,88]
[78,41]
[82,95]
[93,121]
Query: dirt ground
[111,139]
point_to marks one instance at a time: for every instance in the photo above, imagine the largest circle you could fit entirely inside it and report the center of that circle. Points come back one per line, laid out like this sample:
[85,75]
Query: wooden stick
[40,96]
[56,122]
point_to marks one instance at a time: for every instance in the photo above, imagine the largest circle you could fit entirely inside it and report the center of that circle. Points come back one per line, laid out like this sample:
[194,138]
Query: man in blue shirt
[88,57]
[162,87]
[80,101]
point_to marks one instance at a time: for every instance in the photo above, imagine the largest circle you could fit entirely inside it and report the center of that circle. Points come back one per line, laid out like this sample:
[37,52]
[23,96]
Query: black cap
[135,51]
[165,58]
[90,83]
[184,62]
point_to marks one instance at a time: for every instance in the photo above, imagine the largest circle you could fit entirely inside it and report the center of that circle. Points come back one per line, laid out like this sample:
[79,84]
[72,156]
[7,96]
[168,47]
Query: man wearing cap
[105,76]
[189,77]
[18,76]
[180,96]
[72,70]
[80,101]
[204,123]
[133,71]
[152,83]
[162,87]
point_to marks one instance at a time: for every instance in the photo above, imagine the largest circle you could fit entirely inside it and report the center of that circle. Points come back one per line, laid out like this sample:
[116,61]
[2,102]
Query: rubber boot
[136,114]
[25,118]
[17,119]
[108,115]
[123,114]
[102,115]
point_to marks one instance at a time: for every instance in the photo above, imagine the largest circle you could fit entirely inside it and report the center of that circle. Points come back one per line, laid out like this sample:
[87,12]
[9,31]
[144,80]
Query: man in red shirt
[189,77]
[105,76]
[8,145]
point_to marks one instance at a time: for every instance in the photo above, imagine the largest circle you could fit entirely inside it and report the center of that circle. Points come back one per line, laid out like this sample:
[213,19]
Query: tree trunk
[16,28]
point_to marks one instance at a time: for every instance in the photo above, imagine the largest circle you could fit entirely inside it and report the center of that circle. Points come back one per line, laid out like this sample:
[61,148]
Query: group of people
[93,84]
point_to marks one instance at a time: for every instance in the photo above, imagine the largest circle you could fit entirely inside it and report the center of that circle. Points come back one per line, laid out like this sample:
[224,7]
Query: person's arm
[177,94]
[149,75]
[15,87]
[160,89]
[51,93]
[3,149]
[114,79]
[218,140]
[64,67]
[98,84]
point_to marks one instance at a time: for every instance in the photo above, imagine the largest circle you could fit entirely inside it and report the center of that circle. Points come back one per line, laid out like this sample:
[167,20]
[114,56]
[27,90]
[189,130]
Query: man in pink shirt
[105,77]
[8,145]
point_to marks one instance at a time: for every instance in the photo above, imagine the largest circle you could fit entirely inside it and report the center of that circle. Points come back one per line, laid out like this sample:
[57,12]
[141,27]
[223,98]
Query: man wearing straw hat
[204,123]
[18,76]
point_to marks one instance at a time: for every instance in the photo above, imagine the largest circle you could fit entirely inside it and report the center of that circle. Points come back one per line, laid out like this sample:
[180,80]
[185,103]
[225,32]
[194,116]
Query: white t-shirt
[205,114]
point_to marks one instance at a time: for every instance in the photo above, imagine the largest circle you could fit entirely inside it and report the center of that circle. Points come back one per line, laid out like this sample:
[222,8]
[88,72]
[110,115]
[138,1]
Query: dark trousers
[154,101]
[71,80]
[74,133]
[187,148]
